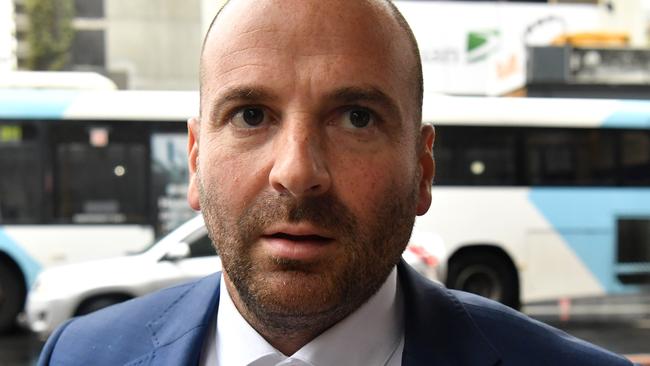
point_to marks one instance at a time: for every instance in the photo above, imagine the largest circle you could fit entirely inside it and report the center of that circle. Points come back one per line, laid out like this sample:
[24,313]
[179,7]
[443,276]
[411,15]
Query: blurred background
[542,194]
[143,45]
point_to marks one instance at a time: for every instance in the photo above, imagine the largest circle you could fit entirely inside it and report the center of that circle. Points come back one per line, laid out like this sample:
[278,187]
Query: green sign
[11,134]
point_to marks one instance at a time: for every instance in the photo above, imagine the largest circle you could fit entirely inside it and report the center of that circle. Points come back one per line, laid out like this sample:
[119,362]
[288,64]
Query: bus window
[633,250]
[635,158]
[633,240]
[100,182]
[568,157]
[550,158]
[475,156]
[597,157]
[21,189]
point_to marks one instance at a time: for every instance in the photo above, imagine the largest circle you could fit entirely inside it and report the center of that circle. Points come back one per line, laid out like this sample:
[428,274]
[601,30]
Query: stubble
[298,296]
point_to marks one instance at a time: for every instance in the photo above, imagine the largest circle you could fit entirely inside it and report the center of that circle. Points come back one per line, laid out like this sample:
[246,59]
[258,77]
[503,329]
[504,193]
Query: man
[309,164]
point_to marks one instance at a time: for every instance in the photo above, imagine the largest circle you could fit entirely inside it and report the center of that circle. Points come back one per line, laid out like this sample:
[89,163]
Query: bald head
[310,113]
[377,16]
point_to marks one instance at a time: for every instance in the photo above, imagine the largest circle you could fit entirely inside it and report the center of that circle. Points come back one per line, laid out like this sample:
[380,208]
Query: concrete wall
[155,43]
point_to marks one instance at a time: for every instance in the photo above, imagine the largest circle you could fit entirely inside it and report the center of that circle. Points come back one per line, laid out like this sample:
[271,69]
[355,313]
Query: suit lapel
[438,330]
[178,331]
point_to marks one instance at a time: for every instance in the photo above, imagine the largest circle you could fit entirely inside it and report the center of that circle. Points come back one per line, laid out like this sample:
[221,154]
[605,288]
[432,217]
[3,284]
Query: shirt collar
[237,342]
[368,336]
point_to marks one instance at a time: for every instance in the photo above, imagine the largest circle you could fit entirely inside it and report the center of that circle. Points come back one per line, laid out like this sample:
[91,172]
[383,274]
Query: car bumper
[43,316]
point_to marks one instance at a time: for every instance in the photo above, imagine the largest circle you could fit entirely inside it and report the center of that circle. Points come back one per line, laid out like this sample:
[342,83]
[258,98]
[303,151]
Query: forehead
[357,38]
[330,20]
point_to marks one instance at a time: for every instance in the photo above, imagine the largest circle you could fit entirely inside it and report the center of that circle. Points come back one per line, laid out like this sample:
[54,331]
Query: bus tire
[486,273]
[12,296]
[98,303]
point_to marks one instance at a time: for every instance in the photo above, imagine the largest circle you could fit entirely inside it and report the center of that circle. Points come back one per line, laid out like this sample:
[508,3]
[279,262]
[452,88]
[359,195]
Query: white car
[186,253]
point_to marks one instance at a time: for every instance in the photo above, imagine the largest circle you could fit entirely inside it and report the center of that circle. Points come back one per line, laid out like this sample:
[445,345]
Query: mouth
[299,238]
[297,243]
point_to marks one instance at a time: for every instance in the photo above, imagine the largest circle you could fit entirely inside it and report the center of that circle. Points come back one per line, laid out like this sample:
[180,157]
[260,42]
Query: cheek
[364,184]
[234,176]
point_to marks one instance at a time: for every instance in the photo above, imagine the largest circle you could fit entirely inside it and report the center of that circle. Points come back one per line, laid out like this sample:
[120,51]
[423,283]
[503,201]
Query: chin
[300,292]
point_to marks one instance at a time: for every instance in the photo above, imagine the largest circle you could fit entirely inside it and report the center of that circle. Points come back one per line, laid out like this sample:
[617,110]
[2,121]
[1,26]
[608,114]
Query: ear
[193,129]
[427,168]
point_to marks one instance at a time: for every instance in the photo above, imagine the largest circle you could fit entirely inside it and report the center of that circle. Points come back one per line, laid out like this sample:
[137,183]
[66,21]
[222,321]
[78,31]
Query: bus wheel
[487,274]
[12,297]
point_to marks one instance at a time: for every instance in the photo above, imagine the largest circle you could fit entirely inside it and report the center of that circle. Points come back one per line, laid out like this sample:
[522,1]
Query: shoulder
[120,333]
[518,337]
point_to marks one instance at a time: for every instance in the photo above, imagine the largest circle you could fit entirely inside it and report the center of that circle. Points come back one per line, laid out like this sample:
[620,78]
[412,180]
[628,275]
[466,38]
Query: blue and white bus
[534,198]
[86,175]
[541,199]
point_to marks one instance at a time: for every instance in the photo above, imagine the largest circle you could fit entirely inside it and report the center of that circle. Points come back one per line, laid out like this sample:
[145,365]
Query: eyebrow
[251,94]
[246,94]
[354,94]
[345,95]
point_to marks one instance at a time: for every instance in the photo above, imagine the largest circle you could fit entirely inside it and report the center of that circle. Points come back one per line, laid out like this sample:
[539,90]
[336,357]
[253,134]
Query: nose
[300,167]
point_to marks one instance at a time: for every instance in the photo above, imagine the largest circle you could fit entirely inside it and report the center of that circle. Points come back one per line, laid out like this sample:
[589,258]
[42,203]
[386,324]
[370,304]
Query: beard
[286,295]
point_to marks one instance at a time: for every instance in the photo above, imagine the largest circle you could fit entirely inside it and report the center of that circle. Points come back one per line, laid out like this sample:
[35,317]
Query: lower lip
[305,250]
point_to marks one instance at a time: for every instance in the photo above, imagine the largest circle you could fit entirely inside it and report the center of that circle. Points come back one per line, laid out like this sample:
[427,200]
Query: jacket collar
[178,331]
[438,329]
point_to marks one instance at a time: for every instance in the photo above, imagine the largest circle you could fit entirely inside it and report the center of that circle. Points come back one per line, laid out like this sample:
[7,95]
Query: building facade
[7,37]
[151,45]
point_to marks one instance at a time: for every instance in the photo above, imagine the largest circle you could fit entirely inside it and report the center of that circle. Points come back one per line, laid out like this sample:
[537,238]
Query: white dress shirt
[372,335]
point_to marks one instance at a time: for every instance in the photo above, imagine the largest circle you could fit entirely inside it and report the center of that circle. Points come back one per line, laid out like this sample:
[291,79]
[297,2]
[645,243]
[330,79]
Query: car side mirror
[177,252]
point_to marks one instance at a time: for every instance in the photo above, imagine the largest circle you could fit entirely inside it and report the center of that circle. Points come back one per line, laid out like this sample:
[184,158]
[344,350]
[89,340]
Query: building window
[89,8]
[89,48]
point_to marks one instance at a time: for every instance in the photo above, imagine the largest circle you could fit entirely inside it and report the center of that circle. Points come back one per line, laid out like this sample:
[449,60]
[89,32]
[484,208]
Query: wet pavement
[19,348]
[625,336]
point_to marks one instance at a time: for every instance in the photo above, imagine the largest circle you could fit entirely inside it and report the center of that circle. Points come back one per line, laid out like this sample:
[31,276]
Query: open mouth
[300,238]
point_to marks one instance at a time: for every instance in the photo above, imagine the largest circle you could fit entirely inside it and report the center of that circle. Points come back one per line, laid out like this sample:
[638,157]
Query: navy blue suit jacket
[442,327]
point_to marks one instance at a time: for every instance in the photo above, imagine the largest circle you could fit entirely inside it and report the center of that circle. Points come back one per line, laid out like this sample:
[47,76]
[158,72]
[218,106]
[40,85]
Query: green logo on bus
[481,44]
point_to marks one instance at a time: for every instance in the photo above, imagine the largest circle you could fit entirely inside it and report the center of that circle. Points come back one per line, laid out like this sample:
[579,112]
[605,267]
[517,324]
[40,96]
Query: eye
[249,117]
[359,118]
